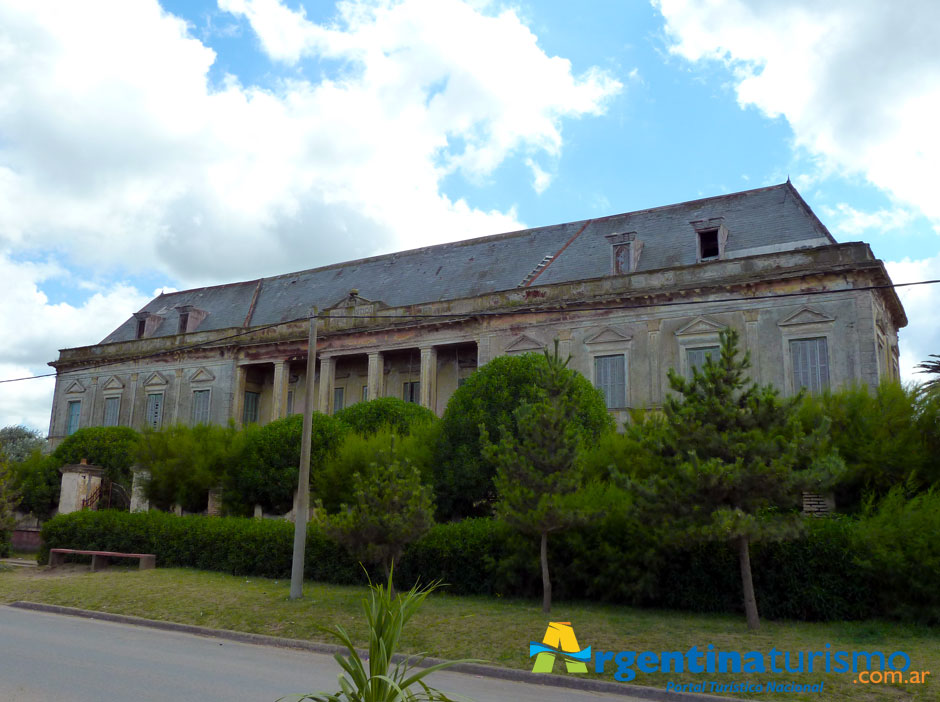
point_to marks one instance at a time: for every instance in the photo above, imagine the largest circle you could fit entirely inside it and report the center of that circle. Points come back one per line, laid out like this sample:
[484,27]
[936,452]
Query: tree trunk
[750,601]
[546,580]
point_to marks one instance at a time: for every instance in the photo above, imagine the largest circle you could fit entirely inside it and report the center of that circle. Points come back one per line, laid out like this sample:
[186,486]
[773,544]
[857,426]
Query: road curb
[486,671]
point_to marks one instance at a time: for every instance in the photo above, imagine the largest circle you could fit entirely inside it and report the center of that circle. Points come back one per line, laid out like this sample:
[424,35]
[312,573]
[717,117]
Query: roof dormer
[625,250]
[711,236]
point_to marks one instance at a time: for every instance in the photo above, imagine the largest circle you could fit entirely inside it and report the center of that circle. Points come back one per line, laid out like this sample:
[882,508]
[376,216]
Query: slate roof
[771,216]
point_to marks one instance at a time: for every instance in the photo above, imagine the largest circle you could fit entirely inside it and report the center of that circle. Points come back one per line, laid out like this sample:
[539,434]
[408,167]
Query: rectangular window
[365,393]
[112,409]
[73,417]
[810,359]
[695,358]
[338,395]
[141,327]
[290,402]
[708,244]
[610,378]
[621,258]
[200,413]
[252,401]
[411,392]
[184,322]
[154,410]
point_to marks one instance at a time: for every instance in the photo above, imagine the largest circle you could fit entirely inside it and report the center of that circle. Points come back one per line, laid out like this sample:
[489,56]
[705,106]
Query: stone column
[376,375]
[238,397]
[653,351]
[279,394]
[326,384]
[751,318]
[429,378]
[139,501]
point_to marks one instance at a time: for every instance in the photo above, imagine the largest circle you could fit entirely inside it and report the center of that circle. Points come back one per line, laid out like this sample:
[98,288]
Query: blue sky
[148,146]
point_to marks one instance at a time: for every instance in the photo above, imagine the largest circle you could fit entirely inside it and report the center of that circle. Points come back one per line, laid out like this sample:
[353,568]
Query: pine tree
[391,508]
[538,469]
[739,460]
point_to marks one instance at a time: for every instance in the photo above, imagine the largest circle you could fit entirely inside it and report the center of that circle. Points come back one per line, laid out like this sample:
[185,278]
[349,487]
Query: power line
[554,309]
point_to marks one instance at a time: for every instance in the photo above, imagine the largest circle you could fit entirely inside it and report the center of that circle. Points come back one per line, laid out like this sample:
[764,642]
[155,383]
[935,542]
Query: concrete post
[214,506]
[429,378]
[376,375]
[326,384]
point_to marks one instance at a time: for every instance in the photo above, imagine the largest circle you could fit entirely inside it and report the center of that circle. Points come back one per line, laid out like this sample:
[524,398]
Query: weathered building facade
[628,296]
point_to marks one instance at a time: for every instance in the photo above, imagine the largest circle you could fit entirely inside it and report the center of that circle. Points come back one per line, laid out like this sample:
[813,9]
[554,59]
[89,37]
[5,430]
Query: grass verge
[478,627]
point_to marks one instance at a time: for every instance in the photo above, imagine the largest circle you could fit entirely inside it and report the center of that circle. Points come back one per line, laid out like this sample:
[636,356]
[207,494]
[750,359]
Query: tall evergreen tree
[739,460]
[539,467]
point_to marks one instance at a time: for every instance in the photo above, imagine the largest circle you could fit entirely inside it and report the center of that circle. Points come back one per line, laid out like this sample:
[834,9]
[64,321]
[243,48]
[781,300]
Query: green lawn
[477,627]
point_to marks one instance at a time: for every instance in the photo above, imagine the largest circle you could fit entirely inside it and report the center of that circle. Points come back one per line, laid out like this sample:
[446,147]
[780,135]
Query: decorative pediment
[525,343]
[75,386]
[700,325]
[351,299]
[114,383]
[202,375]
[156,379]
[805,316]
[607,335]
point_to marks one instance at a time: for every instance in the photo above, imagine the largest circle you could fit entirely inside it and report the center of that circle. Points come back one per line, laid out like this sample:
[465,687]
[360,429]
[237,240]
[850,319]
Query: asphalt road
[56,658]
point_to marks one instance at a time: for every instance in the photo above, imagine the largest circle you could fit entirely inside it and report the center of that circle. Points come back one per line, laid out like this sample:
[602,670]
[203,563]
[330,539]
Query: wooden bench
[100,559]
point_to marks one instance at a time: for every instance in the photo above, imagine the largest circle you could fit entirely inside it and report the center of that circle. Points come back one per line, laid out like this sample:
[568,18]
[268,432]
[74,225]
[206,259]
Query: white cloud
[921,302]
[33,329]
[852,222]
[540,178]
[118,150]
[857,80]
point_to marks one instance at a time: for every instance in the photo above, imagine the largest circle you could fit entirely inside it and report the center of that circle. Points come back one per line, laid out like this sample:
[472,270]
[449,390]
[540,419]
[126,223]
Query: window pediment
[701,325]
[202,375]
[607,335]
[525,343]
[805,315]
[74,387]
[156,379]
[114,383]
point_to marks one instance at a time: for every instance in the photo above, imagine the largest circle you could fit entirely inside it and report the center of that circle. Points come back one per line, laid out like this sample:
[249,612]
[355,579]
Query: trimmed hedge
[821,576]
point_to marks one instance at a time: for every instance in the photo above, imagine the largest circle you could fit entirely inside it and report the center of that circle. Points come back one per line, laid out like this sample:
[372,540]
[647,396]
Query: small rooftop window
[708,244]
[141,325]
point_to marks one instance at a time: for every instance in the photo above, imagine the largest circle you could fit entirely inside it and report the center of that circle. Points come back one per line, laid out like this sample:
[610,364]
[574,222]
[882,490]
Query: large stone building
[628,296]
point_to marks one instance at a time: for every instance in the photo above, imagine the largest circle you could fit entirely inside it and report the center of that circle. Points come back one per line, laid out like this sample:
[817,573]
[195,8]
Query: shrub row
[821,576]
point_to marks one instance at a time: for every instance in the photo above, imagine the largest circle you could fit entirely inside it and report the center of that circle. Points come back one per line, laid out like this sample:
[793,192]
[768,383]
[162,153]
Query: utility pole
[302,505]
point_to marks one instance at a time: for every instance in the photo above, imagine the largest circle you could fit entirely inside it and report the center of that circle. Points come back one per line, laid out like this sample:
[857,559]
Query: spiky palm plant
[378,678]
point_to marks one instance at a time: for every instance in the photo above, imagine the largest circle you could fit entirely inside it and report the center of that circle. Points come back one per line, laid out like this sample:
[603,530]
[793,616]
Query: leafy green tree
[385,413]
[37,481]
[185,463]
[112,448]
[390,509]
[539,467]
[8,499]
[18,442]
[738,460]
[265,471]
[490,398]
[333,485]
[884,436]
